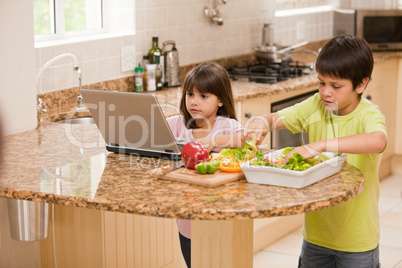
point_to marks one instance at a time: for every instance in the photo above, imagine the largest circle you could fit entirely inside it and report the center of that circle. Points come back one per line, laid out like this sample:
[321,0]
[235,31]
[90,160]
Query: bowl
[291,178]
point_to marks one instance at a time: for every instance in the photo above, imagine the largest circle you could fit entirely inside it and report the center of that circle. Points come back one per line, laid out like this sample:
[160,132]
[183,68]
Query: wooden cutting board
[191,176]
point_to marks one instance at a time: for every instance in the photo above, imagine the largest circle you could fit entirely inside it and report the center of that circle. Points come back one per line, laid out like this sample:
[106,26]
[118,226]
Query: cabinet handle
[247,115]
[368,97]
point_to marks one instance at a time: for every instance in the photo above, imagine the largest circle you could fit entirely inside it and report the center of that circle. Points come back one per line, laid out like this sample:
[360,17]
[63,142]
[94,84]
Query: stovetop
[268,73]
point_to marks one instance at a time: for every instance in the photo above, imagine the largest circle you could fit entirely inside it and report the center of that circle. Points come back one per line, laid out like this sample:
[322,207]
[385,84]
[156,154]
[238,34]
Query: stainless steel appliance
[382,29]
[283,138]
[171,57]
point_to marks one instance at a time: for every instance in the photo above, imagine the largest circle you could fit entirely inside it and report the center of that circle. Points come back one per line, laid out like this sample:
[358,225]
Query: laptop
[132,123]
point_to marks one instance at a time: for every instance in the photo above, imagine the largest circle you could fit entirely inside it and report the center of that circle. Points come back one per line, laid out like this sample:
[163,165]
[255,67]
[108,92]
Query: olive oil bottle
[154,49]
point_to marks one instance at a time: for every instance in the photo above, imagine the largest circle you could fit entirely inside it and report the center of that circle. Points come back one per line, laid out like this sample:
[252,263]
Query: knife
[174,166]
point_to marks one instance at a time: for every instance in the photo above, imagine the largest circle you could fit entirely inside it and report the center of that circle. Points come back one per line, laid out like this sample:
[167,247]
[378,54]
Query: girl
[207,110]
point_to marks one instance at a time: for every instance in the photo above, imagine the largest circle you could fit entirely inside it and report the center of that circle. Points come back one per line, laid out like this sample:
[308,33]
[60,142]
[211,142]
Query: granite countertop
[68,165]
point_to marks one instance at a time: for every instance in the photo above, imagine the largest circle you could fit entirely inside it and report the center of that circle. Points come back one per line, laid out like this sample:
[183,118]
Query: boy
[338,119]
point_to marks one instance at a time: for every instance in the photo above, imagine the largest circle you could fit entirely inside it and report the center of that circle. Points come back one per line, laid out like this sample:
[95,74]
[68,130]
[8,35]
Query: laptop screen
[131,122]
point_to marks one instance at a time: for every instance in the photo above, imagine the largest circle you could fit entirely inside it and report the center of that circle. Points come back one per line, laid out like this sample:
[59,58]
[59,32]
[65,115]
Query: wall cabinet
[398,111]
[382,91]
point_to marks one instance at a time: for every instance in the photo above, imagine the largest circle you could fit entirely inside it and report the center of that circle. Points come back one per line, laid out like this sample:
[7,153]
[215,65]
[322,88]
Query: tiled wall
[99,60]
[369,4]
[197,38]
[316,26]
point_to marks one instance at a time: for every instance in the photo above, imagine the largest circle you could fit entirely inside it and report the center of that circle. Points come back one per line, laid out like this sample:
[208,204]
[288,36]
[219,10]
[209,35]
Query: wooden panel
[78,237]
[382,90]
[398,112]
[130,243]
[140,241]
[137,232]
[110,240]
[121,235]
[222,244]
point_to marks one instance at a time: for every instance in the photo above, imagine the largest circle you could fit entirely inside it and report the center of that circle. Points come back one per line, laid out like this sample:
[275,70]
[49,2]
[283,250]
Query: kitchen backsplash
[62,104]
[197,39]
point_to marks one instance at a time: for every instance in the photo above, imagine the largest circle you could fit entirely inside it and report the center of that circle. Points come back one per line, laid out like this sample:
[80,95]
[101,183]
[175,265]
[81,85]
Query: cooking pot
[272,54]
[268,52]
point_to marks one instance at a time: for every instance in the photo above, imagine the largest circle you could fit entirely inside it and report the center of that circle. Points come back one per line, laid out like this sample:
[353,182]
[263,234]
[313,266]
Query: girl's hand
[307,151]
[258,126]
[206,141]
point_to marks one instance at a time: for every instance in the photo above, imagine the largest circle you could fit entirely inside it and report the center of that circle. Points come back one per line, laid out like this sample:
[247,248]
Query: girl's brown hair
[211,78]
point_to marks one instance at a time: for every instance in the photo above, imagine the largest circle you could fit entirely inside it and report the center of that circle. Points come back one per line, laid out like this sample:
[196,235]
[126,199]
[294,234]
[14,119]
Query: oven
[283,138]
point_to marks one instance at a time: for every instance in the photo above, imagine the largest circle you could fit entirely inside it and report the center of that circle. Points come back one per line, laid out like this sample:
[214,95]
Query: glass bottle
[155,48]
[139,79]
[145,62]
[158,71]
[151,79]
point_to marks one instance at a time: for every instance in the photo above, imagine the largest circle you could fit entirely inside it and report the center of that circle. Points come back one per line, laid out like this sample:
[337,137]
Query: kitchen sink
[81,120]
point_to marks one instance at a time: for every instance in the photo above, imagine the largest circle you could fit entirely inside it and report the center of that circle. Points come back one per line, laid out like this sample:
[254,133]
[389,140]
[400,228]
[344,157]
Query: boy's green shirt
[353,226]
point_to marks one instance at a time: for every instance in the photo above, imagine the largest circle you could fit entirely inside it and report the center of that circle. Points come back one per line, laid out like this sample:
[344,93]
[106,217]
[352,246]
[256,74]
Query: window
[57,19]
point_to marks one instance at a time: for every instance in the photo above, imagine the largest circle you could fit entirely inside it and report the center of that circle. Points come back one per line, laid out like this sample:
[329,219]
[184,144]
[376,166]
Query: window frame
[58,25]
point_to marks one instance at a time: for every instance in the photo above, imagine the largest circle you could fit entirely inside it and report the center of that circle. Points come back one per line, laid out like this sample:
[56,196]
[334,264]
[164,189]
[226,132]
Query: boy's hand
[307,151]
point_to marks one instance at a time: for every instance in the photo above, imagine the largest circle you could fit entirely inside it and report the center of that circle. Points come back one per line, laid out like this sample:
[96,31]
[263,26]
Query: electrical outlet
[128,59]
[301,30]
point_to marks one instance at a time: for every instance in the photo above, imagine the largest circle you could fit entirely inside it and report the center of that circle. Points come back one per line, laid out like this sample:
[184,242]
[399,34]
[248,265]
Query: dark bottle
[158,71]
[145,62]
[155,48]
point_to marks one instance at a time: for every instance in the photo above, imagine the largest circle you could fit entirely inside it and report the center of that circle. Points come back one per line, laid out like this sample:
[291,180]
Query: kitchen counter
[69,165]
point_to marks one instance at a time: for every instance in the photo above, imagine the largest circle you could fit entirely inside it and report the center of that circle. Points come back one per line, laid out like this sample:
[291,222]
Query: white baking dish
[290,178]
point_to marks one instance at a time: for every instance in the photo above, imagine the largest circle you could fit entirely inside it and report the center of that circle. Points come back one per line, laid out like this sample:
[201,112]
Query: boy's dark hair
[208,77]
[346,57]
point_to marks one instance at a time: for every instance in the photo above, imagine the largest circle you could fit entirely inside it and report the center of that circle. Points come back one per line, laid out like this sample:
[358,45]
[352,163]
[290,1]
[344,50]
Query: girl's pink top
[223,125]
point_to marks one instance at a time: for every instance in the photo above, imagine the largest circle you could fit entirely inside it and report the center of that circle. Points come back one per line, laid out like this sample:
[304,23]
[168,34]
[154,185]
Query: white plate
[290,178]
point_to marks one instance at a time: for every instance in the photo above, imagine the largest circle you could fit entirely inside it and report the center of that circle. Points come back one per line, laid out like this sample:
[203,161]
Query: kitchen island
[67,165]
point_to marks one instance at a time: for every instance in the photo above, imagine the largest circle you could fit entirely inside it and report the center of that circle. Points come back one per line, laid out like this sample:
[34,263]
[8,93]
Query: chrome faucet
[44,67]
[213,13]
[41,106]
[80,105]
